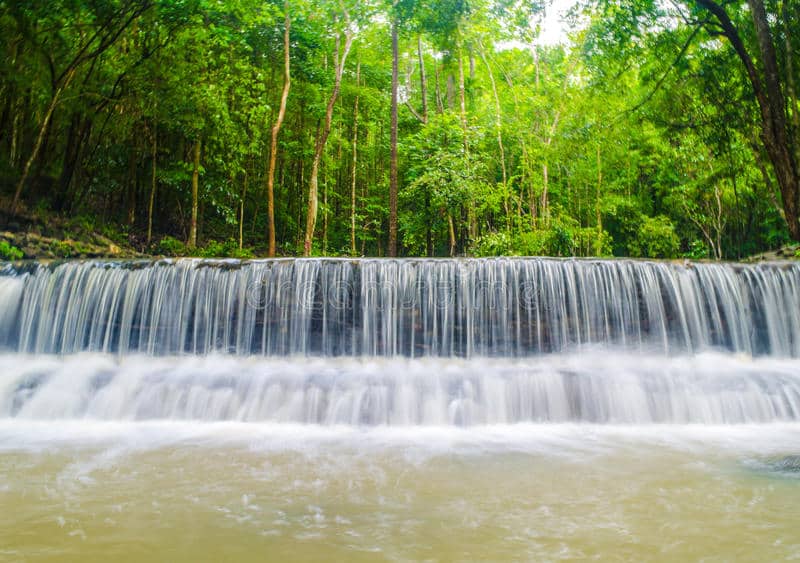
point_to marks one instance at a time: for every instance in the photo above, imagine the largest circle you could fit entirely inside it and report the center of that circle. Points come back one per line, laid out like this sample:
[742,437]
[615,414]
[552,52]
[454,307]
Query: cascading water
[468,308]
[402,342]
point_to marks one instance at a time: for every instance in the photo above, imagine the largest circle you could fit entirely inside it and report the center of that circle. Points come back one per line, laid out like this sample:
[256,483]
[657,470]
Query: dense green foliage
[9,251]
[639,136]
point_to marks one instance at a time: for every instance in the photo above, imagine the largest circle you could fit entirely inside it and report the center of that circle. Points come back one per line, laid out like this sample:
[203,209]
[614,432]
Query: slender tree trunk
[355,163]
[13,154]
[472,226]
[192,243]
[462,97]
[392,246]
[153,185]
[276,128]
[499,127]
[599,217]
[452,232]
[543,205]
[437,90]
[241,210]
[313,184]
[423,83]
[131,185]
[450,91]
[325,214]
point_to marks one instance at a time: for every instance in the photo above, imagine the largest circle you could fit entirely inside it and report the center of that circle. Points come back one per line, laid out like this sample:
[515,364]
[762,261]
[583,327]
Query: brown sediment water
[190,492]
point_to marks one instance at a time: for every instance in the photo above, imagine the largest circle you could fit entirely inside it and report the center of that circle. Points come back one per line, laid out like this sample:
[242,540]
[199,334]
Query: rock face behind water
[51,237]
[36,246]
[369,307]
[788,252]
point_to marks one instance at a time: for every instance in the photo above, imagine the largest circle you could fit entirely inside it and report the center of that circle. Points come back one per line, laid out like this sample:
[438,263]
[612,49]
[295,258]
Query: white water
[600,386]
[491,307]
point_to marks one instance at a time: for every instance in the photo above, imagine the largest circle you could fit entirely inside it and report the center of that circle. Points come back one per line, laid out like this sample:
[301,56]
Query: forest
[655,128]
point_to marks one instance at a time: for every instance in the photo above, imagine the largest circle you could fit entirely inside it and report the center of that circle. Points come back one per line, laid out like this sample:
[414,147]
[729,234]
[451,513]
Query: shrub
[656,239]
[9,252]
[227,249]
[562,238]
[493,244]
[170,246]
[698,250]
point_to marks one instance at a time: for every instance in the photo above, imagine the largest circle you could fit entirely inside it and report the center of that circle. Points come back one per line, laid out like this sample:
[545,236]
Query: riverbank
[47,237]
[51,237]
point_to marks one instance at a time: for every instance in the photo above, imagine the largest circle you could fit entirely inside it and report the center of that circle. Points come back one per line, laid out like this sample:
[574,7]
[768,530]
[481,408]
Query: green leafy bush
[656,239]
[9,251]
[493,244]
[62,249]
[562,238]
[227,249]
[170,246]
[698,250]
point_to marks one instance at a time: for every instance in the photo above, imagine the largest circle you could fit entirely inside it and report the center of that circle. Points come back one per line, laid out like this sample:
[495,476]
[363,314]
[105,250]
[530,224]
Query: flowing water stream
[497,409]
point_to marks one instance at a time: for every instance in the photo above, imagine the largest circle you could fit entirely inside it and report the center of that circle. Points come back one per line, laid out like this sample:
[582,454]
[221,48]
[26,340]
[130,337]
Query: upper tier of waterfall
[413,307]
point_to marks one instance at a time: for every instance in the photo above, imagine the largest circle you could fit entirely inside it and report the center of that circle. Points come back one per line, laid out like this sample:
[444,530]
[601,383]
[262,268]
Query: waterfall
[401,342]
[596,387]
[501,307]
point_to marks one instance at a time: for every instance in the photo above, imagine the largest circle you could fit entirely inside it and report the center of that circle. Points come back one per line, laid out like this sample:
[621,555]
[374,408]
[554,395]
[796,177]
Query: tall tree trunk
[472,226]
[499,127]
[153,184]
[423,83]
[130,215]
[16,133]
[462,98]
[313,183]
[276,128]
[392,246]
[452,233]
[437,90]
[543,205]
[325,186]
[241,210]
[192,243]
[355,162]
[450,92]
[598,215]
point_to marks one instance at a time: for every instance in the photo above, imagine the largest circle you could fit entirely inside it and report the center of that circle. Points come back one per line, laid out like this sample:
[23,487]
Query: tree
[342,49]
[112,19]
[276,129]
[392,246]
[779,121]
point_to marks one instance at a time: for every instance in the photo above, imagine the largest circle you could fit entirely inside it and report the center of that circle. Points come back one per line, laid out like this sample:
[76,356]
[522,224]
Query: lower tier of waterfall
[601,386]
